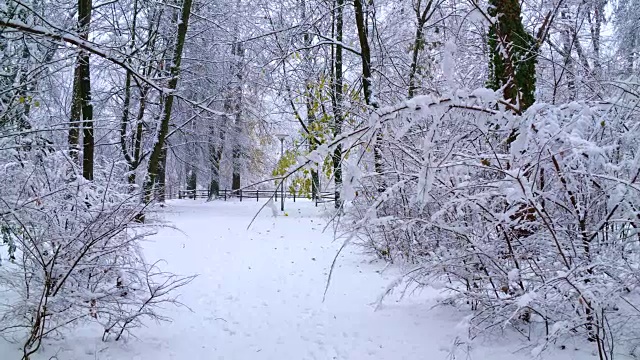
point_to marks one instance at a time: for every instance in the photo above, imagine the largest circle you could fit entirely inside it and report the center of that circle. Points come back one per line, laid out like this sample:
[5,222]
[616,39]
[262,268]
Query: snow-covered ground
[259,296]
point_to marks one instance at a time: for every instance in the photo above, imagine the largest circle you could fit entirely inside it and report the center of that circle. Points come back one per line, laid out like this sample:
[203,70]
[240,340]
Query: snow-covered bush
[74,245]
[530,219]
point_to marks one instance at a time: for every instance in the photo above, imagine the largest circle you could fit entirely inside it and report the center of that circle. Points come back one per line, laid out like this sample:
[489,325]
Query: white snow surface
[259,296]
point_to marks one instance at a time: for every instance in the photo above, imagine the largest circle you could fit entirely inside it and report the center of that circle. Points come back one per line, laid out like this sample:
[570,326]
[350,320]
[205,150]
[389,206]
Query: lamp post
[281,137]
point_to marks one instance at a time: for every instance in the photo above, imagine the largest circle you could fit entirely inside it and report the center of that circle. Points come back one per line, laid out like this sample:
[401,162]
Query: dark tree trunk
[214,184]
[365,53]
[124,123]
[215,156]
[81,108]
[192,180]
[367,86]
[162,177]
[418,44]
[155,166]
[137,142]
[338,101]
[84,20]
[133,158]
[512,64]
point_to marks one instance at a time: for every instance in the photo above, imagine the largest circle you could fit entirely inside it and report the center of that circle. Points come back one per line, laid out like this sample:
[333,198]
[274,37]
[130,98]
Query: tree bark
[162,176]
[132,158]
[81,108]
[418,44]
[156,157]
[367,86]
[76,116]
[596,26]
[512,64]
[569,68]
[365,54]
[84,21]
[238,53]
[192,179]
[215,153]
[337,105]
[310,103]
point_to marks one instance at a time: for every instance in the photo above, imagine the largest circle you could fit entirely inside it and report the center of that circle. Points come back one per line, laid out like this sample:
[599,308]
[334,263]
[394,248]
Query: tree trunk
[137,142]
[84,20]
[155,159]
[235,180]
[238,53]
[512,64]
[124,123]
[215,155]
[81,108]
[418,44]
[192,180]
[162,176]
[310,103]
[23,92]
[133,160]
[367,86]
[313,143]
[214,184]
[337,105]
[567,46]
[76,116]
[631,53]
[596,25]
[365,54]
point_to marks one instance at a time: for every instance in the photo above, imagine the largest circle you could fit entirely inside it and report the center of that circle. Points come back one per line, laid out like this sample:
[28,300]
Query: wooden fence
[248,194]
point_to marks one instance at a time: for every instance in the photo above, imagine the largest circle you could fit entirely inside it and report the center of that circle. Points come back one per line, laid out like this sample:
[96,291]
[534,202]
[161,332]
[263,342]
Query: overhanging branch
[105,54]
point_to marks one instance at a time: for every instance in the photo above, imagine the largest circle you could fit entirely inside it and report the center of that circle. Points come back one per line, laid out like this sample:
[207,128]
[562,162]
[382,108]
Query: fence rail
[248,194]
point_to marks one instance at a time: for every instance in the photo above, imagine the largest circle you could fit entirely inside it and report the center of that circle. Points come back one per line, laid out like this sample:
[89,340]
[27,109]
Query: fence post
[240,195]
[294,196]
[225,194]
[257,196]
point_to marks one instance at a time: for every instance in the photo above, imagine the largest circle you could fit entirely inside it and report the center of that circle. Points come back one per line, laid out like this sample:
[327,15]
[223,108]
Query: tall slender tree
[81,106]
[338,114]
[422,16]
[310,101]
[237,52]
[157,158]
[367,84]
[88,142]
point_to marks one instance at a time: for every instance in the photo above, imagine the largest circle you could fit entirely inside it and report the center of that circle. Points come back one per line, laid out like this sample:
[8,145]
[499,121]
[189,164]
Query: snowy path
[259,296]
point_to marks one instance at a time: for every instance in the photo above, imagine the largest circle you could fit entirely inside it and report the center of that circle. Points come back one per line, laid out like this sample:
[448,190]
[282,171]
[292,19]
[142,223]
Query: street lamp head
[281,137]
